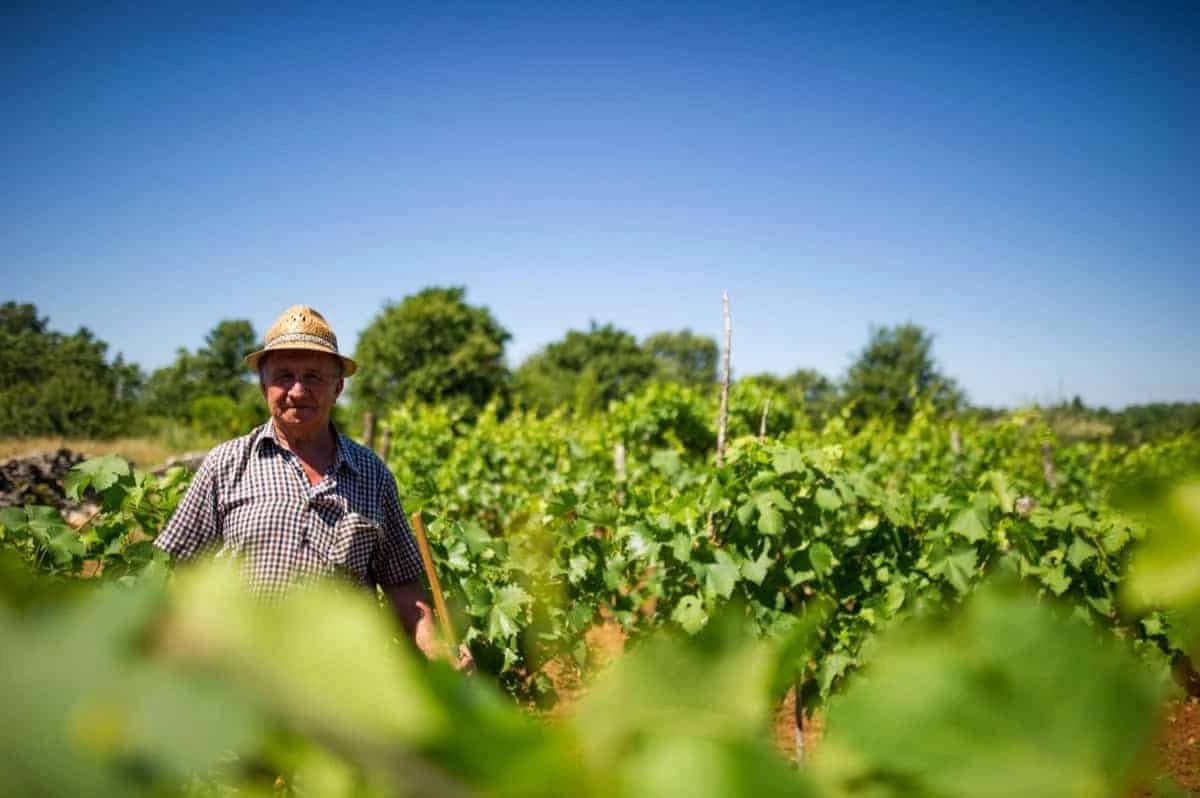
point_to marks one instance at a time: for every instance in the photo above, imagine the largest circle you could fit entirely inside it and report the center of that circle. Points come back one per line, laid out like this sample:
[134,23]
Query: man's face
[300,388]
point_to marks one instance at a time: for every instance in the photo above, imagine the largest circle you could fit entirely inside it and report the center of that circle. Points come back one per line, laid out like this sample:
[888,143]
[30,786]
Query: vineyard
[973,608]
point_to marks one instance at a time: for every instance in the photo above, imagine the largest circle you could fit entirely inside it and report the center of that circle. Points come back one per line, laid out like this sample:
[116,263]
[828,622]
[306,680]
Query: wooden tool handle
[435,587]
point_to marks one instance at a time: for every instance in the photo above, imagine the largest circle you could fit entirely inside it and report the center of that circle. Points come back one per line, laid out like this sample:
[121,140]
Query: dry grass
[143,452]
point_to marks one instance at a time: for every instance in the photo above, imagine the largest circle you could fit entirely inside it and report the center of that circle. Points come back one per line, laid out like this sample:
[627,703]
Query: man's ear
[337,391]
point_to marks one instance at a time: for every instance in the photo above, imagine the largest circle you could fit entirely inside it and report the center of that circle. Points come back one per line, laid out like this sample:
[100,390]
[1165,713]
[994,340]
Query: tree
[215,370]
[221,358]
[585,369]
[56,384]
[684,357]
[894,372]
[809,390]
[430,347]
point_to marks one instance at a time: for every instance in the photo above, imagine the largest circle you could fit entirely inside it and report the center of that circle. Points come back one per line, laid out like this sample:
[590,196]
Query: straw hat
[301,327]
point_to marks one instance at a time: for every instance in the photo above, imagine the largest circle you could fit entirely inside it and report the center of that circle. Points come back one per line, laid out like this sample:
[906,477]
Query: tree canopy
[683,357]
[57,384]
[586,370]
[431,346]
[894,372]
[214,370]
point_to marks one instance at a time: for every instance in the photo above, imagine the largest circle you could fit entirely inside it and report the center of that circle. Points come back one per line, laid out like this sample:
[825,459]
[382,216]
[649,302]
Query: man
[297,499]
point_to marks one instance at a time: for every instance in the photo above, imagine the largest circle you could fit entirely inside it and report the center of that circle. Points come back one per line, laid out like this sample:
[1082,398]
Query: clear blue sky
[1023,182]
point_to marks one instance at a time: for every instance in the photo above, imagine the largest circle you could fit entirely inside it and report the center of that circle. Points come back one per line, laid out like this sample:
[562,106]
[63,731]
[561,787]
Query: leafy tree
[894,372]
[684,357]
[215,370]
[805,388]
[585,369]
[56,384]
[431,347]
[221,364]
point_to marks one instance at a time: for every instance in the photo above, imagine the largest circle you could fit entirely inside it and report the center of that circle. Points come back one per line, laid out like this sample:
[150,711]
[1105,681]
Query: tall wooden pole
[435,586]
[723,415]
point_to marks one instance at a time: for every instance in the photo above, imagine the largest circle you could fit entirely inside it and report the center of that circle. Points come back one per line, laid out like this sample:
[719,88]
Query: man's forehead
[300,359]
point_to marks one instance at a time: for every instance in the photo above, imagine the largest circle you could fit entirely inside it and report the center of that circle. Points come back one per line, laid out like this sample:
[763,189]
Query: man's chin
[298,419]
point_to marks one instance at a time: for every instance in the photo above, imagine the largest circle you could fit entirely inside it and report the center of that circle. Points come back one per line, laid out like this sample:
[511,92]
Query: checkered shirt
[251,500]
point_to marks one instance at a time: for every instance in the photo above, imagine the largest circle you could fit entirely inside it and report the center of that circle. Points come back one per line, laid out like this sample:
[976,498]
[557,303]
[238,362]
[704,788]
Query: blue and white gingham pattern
[251,500]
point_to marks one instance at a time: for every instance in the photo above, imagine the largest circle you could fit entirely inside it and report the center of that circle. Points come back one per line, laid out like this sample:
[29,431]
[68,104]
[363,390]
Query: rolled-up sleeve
[396,558]
[196,525]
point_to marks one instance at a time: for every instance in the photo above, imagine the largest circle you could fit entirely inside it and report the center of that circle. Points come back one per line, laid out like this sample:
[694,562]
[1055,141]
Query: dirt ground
[1178,743]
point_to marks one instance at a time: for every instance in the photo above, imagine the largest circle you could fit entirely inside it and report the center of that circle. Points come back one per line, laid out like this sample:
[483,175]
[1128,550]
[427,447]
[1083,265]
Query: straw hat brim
[252,360]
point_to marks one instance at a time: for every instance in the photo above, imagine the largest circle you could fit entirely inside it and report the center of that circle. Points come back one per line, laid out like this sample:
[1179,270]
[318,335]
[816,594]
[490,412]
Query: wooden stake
[1048,465]
[385,444]
[723,415]
[369,430]
[435,587]
[762,427]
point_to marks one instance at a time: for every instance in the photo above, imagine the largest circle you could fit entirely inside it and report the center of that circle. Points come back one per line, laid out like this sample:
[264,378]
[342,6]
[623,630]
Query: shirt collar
[342,455]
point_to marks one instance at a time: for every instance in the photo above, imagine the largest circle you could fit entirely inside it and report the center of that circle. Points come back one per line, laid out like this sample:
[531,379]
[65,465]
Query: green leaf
[772,498]
[1008,699]
[721,577]
[821,557]
[956,567]
[969,525]
[1071,516]
[690,614]
[828,499]
[64,546]
[681,547]
[475,536]
[1080,552]
[1056,579]
[787,461]
[101,473]
[13,520]
[756,570]
[1165,570]
[770,521]
[834,666]
[504,618]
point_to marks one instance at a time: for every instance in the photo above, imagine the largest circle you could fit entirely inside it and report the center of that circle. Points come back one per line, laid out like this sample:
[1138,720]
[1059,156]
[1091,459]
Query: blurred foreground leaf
[1007,699]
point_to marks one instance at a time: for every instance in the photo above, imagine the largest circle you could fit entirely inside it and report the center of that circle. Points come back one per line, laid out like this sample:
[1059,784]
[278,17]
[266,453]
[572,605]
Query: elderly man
[297,499]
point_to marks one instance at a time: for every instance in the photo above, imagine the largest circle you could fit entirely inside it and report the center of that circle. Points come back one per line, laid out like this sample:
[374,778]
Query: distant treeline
[435,347]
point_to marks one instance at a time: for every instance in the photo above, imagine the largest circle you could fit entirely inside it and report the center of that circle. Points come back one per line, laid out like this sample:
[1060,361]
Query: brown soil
[1178,742]
[784,728]
[1179,745]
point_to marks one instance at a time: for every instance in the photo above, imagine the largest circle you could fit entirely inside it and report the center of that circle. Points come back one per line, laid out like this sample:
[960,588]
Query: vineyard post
[368,430]
[762,427]
[385,443]
[723,415]
[619,470]
[956,447]
[798,718]
[435,586]
[1048,465]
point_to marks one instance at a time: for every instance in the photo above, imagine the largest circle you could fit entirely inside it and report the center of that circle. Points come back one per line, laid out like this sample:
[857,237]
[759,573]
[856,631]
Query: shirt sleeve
[196,524]
[396,558]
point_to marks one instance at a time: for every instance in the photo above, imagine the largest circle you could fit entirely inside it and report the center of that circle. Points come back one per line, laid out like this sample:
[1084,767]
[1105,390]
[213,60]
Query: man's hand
[412,610]
[426,638]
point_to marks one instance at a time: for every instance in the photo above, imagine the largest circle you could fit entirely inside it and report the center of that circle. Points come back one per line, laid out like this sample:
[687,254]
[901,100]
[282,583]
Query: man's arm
[411,606]
[196,523]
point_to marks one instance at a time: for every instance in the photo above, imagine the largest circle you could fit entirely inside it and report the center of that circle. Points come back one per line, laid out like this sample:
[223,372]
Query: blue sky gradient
[1023,182]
